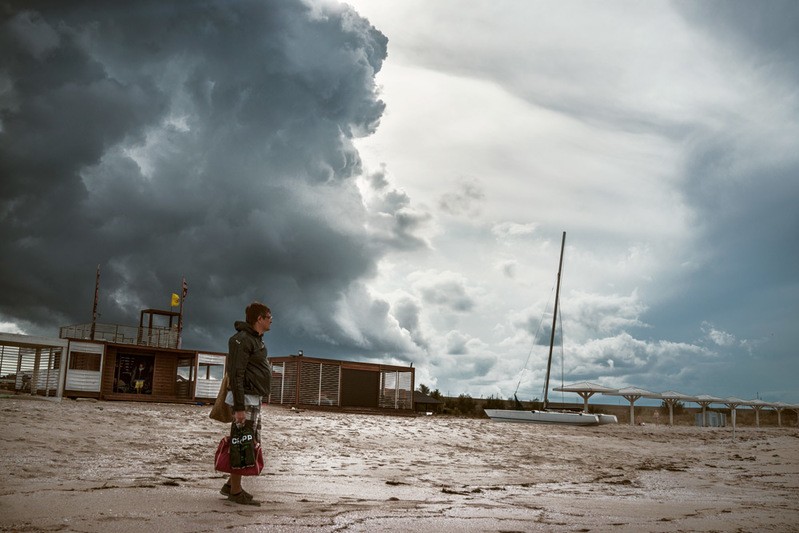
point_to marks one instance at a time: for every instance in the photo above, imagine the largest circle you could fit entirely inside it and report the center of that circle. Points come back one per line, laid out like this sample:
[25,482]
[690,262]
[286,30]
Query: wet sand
[113,466]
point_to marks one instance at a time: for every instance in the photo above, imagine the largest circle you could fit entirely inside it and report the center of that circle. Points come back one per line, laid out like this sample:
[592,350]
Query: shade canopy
[706,399]
[780,407]
[672,397]
[758,403]
[676,396]
[732,402]
[584,386]
[633,394]
[585,389]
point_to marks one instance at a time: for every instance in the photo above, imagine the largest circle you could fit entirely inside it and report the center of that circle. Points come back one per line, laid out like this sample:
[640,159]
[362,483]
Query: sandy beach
[113,466]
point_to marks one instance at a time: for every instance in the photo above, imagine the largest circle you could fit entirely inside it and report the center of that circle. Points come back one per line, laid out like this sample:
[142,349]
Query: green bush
[462,405]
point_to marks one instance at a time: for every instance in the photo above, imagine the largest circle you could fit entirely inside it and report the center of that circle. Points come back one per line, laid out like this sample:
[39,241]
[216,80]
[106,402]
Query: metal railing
[156,336]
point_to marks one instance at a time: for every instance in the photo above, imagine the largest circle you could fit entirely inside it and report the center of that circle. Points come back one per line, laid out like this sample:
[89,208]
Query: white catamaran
[547,416]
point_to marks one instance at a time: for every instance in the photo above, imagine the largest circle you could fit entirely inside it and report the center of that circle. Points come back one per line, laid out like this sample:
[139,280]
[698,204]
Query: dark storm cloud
[449,294]
[766,30]
[393,220]
[741,181]
[206,139]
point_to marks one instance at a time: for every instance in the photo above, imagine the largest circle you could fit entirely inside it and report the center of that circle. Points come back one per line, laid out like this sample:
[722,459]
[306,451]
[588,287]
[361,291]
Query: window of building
[84,361]
[211,371]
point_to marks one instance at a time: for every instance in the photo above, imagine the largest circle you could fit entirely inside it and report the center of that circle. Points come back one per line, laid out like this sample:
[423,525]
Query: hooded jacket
[248,370]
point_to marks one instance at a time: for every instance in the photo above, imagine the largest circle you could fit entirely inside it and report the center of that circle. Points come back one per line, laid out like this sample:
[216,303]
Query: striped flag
[185,288]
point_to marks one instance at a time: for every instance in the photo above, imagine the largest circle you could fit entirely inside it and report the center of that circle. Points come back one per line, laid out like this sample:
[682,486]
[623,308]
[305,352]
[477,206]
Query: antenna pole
[94,307]
[554,321]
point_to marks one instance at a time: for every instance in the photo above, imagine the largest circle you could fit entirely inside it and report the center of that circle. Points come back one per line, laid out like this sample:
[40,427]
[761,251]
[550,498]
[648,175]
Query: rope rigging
[535,337]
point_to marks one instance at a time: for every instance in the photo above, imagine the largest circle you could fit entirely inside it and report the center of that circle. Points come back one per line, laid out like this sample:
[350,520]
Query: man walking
[250,379]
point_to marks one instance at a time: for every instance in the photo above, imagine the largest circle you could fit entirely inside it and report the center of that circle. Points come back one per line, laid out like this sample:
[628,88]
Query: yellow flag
[175,300]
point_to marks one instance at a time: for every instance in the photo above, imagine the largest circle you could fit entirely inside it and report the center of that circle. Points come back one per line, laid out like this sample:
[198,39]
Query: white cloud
[11,327]
[718,337]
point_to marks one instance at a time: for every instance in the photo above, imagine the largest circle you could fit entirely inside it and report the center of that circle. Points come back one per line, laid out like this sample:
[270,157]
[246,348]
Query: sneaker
[242,499]
[225,491]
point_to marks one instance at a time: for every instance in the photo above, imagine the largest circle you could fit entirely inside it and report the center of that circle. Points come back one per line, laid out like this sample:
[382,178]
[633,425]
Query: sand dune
[112,466]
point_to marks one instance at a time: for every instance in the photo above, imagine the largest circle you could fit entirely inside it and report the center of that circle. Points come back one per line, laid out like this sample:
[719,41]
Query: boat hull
[607,419]
[545,417]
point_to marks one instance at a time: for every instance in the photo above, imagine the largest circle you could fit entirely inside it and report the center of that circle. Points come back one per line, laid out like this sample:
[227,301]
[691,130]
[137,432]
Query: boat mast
[554,322]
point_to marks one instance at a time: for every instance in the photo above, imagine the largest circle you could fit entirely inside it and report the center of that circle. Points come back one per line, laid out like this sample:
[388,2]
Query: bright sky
[394,182]
[644,130]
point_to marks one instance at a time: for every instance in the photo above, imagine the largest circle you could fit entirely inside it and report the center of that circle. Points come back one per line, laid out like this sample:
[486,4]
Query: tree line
[464,404]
